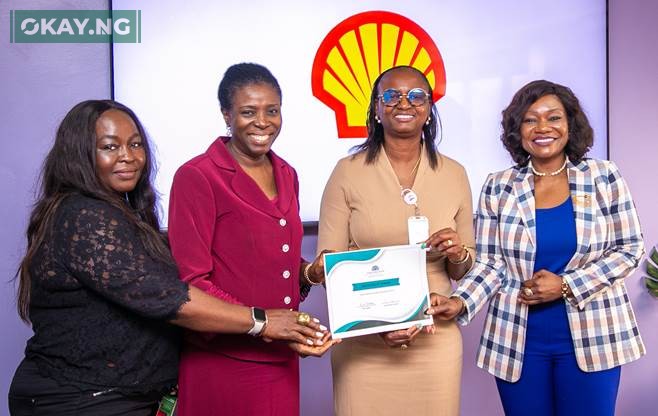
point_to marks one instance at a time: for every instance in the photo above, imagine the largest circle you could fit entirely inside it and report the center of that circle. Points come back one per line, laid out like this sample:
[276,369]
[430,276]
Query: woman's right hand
[316,269]
[282,325]
[401,338]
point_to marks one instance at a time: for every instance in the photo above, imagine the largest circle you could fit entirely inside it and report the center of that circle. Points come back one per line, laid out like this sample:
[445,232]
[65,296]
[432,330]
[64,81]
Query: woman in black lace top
[98,283]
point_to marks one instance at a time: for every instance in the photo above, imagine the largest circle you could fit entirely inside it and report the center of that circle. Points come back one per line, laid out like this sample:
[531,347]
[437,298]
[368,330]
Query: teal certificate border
[419,314]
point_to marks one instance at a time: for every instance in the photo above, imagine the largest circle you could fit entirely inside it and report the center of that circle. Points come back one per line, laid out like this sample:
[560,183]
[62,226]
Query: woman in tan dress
[366,203]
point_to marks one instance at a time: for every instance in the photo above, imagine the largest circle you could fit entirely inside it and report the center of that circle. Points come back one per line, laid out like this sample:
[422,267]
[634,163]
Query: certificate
[376,290]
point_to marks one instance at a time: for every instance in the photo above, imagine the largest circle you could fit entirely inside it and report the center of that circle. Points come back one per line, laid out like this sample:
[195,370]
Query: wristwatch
[260,320]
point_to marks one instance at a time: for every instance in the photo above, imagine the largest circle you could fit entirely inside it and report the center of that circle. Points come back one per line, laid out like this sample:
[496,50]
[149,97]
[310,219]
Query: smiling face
[120,154]
[255,119]
[545,131]
[402,120]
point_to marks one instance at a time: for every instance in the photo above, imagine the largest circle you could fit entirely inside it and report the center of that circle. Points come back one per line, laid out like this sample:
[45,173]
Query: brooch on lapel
[583,200]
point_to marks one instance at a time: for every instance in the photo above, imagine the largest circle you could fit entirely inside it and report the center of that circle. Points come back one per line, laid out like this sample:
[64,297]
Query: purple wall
[40,82]
[633,95]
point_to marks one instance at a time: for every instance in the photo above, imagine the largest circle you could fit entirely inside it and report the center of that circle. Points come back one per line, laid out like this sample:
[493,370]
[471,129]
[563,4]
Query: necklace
[408,195]
[413,171]
[557,172]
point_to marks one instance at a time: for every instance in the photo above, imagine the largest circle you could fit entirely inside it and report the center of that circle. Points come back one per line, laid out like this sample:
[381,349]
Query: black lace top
[99,303]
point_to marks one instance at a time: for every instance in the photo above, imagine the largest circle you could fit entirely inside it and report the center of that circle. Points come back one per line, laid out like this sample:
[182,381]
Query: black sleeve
[101,247]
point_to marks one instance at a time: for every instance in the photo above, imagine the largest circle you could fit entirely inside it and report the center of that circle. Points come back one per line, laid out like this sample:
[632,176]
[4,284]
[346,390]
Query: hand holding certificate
[376,290]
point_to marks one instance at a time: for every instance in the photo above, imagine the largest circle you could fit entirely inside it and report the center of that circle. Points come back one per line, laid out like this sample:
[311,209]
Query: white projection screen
[489,50]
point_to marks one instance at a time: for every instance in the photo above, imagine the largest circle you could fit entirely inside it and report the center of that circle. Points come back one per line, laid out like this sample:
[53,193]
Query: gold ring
[303,318]
[528,292]
[404,347]
[449,242]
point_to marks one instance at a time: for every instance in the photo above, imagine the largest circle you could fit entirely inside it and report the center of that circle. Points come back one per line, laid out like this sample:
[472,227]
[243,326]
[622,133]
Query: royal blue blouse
[556,237]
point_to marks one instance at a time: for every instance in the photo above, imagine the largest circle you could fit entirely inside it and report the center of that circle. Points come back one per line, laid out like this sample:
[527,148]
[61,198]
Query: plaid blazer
[609,248]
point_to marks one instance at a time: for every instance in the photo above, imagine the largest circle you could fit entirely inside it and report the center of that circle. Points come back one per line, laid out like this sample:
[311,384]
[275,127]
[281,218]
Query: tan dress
[362,208]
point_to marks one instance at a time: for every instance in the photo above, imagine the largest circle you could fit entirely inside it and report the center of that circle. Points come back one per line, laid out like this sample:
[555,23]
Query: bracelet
[308,279]
[565,289]
[465,259]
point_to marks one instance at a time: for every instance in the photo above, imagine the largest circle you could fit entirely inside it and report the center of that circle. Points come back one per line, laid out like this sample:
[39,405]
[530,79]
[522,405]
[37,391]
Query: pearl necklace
[557,172]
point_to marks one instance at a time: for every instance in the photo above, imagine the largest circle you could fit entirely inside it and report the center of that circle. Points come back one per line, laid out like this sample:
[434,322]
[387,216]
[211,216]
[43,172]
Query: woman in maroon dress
[236,233]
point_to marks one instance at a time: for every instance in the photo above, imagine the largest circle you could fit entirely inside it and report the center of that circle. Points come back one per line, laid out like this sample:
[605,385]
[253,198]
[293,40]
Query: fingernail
[316,320]
[419,326]
[319,334]
[319,342]
[322,327]
[309,341]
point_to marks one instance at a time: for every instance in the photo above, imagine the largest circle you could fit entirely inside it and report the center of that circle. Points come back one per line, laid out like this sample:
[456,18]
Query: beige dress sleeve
[333,231]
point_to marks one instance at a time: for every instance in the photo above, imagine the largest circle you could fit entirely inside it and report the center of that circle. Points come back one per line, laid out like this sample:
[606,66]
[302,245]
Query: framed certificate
[376,290]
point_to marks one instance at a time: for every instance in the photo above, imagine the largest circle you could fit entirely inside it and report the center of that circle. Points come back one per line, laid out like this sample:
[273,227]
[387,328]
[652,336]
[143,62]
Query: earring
[378,120]
[229,133]
[429,119]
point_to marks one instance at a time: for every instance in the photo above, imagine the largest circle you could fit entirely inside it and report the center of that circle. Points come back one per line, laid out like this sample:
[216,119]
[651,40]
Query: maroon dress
[234,243]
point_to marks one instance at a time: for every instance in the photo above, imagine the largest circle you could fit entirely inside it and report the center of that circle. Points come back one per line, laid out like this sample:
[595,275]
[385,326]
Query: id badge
[167,406]
[418,228]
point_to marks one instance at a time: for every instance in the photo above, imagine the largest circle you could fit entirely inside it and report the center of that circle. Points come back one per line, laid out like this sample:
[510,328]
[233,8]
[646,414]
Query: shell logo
[360,48]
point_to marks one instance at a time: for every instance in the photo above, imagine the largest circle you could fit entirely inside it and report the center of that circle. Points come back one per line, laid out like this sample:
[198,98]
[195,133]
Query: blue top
[556,237]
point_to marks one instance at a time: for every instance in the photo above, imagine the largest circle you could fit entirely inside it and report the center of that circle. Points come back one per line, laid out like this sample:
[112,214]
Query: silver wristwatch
[260,320]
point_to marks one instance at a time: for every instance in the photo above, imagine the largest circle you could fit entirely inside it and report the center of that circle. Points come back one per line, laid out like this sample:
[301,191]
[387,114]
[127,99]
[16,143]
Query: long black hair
[373,144]
[70,168]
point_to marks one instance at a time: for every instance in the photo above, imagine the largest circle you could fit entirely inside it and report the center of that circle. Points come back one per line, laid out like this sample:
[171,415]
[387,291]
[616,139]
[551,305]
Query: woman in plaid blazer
[556,236]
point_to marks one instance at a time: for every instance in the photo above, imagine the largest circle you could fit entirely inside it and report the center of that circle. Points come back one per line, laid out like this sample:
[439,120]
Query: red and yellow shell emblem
[360,48]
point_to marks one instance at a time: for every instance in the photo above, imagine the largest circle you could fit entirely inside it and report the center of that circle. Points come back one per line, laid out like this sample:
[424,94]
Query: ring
[449,242]
[404,347]
[528,292]
[303,318]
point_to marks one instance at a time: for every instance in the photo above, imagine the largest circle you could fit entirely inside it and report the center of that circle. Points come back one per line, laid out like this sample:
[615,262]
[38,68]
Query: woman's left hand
[543,287]
[448,243]
[444,308]
[305,350]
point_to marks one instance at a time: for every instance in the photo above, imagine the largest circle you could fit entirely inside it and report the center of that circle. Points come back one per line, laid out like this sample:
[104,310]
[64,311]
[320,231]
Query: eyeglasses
[416,97]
